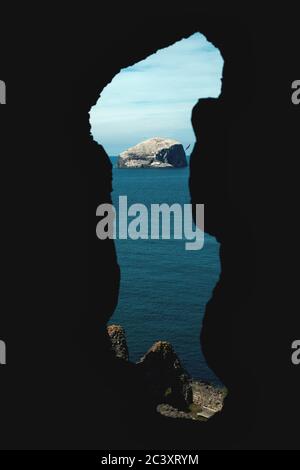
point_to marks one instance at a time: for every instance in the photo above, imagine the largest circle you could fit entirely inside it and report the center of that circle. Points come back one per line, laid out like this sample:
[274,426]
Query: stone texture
[168,382]
[208,395]
[118,341]
[154,153]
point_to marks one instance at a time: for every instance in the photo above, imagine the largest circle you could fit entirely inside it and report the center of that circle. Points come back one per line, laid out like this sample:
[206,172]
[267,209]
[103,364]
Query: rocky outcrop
[160,368]
[118,341]
[154,153]
[167,381]
[168,384]
[208,396]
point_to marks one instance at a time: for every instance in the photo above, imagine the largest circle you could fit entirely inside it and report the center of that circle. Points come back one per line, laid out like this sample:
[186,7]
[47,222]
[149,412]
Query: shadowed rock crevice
[165,377]
[160,369]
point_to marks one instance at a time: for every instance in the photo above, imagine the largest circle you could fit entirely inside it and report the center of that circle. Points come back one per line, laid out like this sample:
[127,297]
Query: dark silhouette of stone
[216,143]
[246,144]
[167,380]
[117,337]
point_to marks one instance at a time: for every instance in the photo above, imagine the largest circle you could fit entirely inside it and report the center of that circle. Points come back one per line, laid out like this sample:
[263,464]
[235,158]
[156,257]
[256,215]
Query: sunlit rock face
[154,153]
[118,341]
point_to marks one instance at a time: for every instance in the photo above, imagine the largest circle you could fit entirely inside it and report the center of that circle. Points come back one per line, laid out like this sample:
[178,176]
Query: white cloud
[155,97]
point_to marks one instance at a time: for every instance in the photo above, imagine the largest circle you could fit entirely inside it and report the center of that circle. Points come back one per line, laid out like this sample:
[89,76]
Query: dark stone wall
[63,389]
[209,184]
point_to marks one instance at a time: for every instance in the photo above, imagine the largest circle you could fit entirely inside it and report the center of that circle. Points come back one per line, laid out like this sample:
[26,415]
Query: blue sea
[164,287]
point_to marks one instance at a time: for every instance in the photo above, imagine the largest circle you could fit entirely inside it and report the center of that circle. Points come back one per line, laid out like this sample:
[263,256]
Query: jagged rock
[208,395]
[167,381]
[171,412]
[154,153]
[118,341]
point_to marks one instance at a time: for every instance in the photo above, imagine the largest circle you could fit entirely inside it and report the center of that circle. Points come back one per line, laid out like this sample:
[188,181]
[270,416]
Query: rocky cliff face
[154,153]
[118,341]
[167,380]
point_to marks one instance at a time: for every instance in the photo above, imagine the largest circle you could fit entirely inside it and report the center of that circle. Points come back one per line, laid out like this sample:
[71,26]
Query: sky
[155,97]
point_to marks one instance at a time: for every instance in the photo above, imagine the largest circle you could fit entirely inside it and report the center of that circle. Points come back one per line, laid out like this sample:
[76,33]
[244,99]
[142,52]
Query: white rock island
[154,153]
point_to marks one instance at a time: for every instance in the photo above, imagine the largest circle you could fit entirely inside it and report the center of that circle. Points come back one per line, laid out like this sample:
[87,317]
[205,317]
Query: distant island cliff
[157,152]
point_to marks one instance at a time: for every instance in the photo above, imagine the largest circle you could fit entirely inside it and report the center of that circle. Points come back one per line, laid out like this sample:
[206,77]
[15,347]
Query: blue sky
[155,97]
